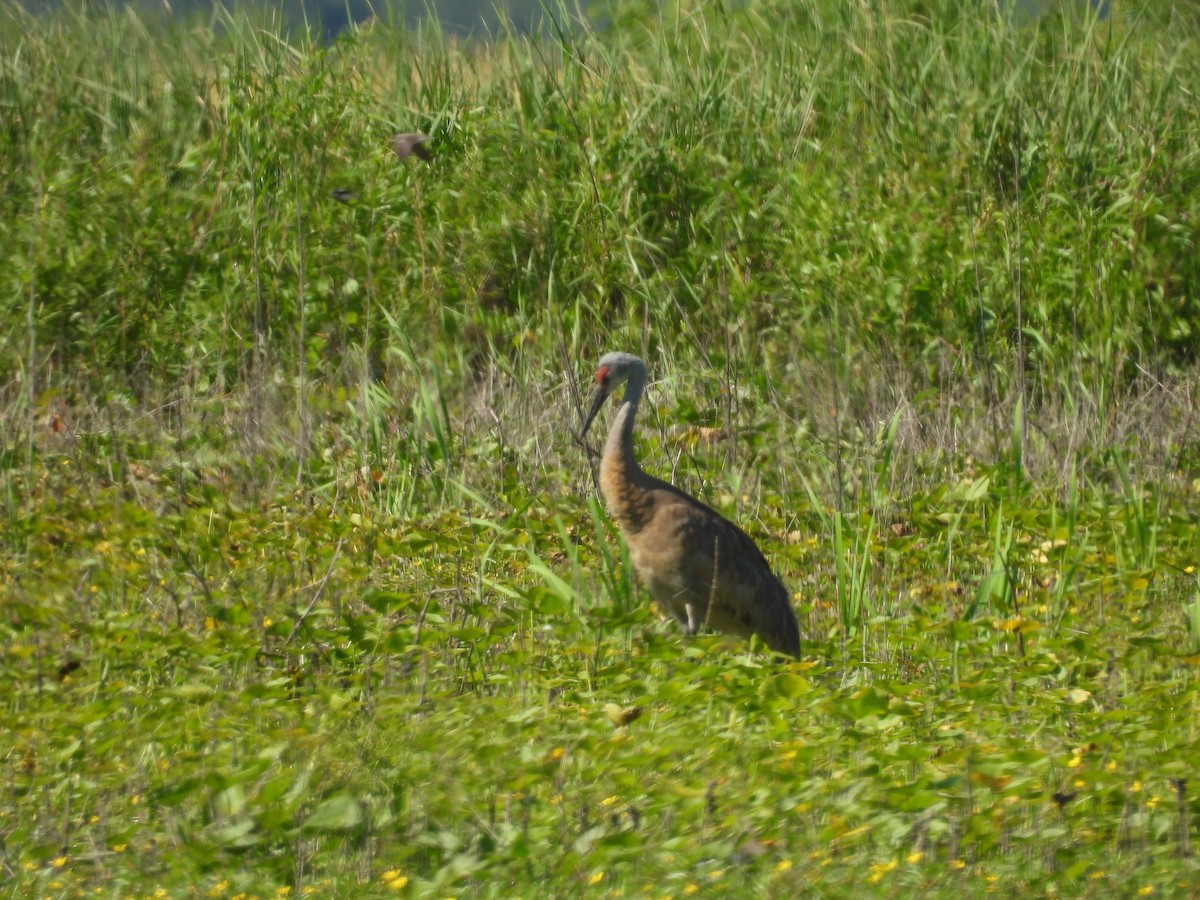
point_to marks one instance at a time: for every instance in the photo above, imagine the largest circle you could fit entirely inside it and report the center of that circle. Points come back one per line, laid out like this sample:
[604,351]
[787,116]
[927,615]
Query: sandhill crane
[694,562]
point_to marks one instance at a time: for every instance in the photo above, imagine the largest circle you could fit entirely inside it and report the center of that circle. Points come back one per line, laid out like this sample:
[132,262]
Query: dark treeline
[461,17]
[331,17]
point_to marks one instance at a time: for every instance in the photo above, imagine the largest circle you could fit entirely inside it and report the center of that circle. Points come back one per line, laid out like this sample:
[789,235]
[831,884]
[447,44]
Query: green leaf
[238,835]
[338,813]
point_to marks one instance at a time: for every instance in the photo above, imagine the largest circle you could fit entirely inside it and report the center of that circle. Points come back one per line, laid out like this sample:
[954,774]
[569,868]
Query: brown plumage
[695,563]
[412,143]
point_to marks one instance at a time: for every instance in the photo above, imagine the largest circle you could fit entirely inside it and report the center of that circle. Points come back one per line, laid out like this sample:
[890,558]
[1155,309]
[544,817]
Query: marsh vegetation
[305,587]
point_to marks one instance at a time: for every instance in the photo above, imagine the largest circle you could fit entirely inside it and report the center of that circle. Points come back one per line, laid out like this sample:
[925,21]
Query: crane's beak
[597,401]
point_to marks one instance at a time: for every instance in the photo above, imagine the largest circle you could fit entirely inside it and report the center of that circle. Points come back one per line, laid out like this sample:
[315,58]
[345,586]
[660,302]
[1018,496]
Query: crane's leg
[712,587]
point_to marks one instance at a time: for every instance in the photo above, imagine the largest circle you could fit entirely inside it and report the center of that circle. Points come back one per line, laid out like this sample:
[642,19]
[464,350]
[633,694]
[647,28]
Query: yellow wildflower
[394,879]
[878,870]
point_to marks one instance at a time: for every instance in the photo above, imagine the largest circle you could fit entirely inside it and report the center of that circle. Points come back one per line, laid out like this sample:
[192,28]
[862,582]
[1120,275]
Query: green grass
[306,587]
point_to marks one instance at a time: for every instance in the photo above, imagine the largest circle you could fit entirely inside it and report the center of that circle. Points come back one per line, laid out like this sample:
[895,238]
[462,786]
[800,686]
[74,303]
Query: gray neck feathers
[619,444]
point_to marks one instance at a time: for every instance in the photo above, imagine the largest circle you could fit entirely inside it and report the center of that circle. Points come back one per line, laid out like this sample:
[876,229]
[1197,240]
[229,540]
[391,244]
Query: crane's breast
[673,556]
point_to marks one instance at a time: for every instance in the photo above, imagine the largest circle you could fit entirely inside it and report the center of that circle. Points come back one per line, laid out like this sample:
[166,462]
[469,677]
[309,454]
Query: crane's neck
[621,478]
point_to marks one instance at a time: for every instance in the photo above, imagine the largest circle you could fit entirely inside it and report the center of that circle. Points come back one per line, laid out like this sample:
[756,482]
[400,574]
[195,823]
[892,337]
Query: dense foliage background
[305,587]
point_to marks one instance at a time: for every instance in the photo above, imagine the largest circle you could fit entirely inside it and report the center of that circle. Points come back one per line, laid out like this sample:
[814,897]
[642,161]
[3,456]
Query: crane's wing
[730,580]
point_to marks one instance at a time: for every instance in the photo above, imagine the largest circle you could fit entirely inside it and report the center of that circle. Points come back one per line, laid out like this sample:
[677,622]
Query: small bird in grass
[411,144]
[699,566]
[404,146]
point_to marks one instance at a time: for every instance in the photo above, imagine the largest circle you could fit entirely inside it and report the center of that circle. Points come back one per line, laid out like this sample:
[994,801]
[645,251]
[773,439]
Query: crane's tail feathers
[786,638]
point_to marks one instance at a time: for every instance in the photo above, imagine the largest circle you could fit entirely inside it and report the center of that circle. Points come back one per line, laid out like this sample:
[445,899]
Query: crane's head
[613,370]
